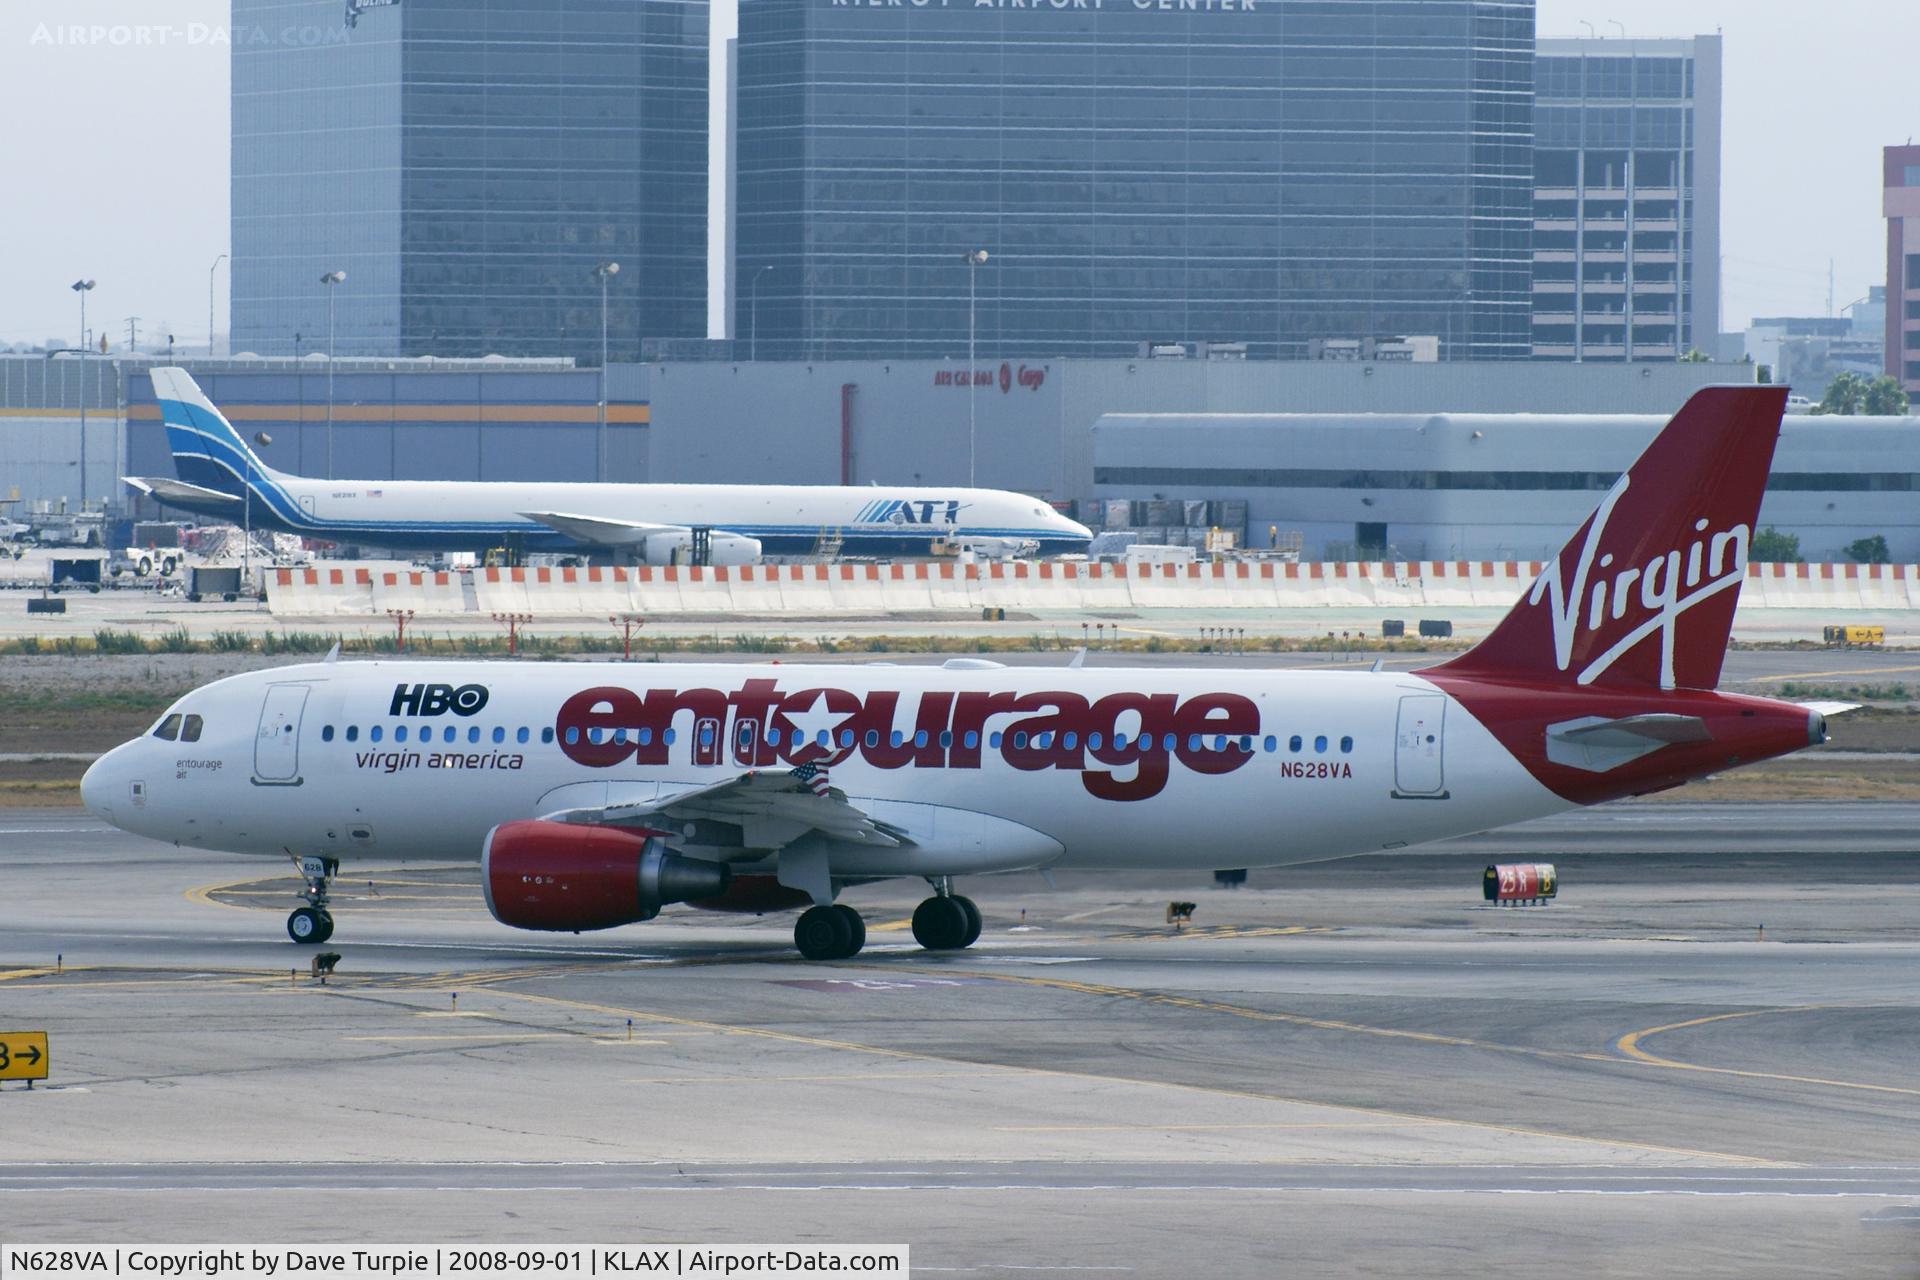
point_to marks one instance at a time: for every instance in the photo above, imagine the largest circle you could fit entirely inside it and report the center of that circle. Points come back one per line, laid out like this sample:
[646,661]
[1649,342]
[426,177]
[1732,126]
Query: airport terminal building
[468,167]
[1230,171]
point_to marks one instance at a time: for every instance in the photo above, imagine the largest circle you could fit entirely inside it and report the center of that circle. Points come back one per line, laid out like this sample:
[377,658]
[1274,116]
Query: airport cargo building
[1269,172]
[1626,232]
[467,167]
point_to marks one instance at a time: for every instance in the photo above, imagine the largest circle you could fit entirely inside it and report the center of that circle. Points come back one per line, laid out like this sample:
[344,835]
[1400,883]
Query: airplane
[220,475]
[593,795]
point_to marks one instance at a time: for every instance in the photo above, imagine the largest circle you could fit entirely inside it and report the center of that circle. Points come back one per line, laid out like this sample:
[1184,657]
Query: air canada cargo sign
[1169,6]
[1124,746]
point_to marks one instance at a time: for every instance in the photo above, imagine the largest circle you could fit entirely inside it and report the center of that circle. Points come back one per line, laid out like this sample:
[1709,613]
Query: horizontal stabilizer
[1829,708]
[162,489]
[1598,744]
[601,530]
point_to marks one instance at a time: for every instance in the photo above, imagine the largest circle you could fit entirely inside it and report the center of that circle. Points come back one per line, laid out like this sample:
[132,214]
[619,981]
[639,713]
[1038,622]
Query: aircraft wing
[772,809]
[601,530]
[163,489]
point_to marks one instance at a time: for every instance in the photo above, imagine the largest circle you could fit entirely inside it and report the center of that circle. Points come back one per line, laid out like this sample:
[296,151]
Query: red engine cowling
[754,895]
[567,877]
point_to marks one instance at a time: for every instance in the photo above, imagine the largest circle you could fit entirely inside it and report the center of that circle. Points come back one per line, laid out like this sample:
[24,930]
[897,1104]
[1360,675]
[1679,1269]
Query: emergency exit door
[1419,754]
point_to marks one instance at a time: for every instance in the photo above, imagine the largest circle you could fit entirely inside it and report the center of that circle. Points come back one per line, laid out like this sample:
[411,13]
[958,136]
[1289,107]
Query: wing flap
[774,808]
[600,530]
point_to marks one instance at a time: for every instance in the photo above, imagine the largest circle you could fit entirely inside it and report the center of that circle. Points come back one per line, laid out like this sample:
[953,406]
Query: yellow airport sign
[23,1055]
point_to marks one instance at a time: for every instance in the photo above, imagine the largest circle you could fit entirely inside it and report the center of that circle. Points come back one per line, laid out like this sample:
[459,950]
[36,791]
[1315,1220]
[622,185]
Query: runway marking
[1212,1091]
[201,896]
[1182,1128]
[1629,1044]
[493,1036]
[828,1079]
[1218,931]
[1812,675]
[27,973]
[891,926]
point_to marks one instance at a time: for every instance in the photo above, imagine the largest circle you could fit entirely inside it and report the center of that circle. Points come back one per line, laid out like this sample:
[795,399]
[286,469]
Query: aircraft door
[276,743]
[1419,748]
[706,741]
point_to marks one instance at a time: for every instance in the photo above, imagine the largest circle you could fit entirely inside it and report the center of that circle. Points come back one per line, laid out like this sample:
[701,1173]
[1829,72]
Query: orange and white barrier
[869,590]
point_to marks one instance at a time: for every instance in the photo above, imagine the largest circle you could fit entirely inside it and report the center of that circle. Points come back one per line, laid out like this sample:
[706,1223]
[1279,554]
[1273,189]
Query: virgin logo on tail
[1667,585]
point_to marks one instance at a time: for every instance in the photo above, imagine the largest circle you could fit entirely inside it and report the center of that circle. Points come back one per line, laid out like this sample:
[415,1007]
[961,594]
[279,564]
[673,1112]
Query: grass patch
[1897,692]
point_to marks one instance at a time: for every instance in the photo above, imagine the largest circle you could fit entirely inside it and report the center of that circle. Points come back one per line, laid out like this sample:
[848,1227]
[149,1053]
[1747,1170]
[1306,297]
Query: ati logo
[1667,585]
[437,699]
[922,511]
[1123,746]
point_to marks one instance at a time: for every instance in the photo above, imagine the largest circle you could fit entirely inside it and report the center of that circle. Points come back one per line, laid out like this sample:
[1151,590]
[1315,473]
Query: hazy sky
[115,151]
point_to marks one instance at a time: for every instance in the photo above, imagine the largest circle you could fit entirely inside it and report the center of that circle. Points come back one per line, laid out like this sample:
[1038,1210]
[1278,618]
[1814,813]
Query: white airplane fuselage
[1245,768]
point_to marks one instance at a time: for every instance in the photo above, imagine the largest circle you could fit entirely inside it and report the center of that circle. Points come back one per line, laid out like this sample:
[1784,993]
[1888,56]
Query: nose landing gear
[313,923]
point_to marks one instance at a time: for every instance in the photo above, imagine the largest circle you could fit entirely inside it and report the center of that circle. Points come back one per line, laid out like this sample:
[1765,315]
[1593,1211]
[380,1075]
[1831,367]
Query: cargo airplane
[219,475]
[594,795]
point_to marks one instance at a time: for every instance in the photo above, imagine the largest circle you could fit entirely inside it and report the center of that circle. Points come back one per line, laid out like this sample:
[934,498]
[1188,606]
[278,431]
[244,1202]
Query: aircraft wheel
[856,931]
[941,924]
[309,926]
[973,919]
[822,933]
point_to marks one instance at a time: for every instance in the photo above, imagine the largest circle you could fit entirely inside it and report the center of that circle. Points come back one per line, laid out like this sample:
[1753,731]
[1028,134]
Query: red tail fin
[1643,596]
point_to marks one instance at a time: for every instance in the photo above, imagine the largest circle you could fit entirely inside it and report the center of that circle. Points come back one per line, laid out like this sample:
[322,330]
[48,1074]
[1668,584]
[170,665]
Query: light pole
[83,288]
[975,260]
[210,271]
[753,313]
[605,272]
[330,279]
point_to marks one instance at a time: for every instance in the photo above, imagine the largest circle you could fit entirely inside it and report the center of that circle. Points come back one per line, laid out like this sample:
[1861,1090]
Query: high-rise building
[467,166]
[1267,172]
[1626,232]
[1902,207]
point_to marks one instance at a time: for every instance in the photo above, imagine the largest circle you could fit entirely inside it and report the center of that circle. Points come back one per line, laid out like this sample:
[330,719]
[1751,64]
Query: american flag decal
[815,776]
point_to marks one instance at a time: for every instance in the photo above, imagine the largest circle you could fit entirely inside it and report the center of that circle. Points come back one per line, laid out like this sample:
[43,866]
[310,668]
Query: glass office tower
[467,164]
[1262,171]
[1626,240]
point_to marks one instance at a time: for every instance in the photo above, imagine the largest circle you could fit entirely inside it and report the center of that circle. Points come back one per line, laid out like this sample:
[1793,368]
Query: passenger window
[994,739]
[190,730]
[399,733]
[521,734]
[823,738]
[373,734]
[448,735]
[546,734]
[1272,744]
[1019,741]
[1293,743]
[1346,746]
[169,728]
[620,737]
[873,737]
[473,733]
[1044,741]
[1093,741]
[499,734]
[1120,741]
[920,737]
[897,738]
[1070,740]
[596,735]
[353,733]
[326,733]
[1170,742]
[573,734]
[643,737]
[1320,743]
[972,740]
[666,735]
[846,737]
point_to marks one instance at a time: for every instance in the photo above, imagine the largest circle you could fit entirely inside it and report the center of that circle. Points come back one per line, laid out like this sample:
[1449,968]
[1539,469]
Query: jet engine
[566,877]
[724,548]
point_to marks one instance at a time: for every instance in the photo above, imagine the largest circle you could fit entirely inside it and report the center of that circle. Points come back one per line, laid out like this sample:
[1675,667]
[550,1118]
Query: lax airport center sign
[1166,6]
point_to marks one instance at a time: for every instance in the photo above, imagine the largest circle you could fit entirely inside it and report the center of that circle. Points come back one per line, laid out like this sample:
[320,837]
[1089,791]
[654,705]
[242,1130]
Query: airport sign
[23,1055]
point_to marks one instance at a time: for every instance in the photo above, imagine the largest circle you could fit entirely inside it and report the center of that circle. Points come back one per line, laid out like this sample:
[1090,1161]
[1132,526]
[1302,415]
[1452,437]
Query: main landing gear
[830,933]
[946,921]
[313,923]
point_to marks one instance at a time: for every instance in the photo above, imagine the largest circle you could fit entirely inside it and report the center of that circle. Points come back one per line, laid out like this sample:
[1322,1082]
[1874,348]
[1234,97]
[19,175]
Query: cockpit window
[168,729]
[190,731]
